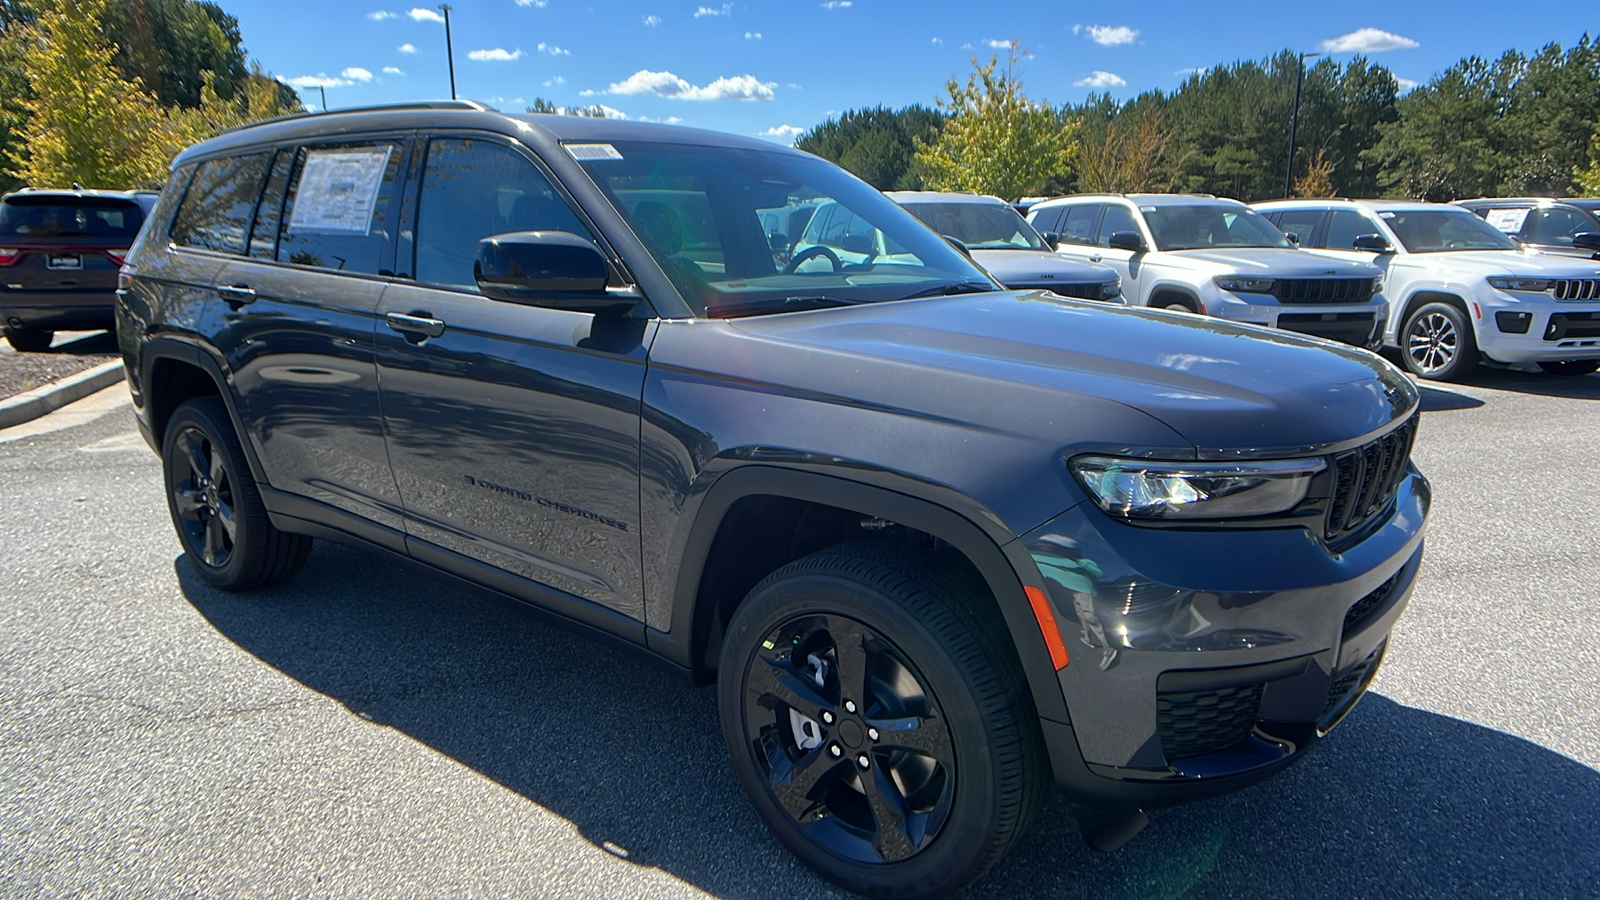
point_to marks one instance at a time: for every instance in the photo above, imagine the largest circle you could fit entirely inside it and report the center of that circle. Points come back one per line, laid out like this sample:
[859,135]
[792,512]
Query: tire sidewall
[202,416]
[1466,357]
[963,840]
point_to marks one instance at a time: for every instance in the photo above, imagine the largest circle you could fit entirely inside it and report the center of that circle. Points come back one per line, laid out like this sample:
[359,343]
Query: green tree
[996,141]
[1588,179]
[877,145]
[86,123]
[1124,148]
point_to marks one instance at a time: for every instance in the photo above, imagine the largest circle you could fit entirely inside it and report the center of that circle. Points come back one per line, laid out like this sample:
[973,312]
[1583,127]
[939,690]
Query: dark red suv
[59,255]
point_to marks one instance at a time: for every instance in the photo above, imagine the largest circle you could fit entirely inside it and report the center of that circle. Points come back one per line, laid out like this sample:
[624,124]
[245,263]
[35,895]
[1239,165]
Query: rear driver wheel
[877,723]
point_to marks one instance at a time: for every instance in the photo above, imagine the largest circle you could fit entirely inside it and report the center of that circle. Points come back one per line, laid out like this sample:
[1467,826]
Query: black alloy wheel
[30,340]
[216,506]
[1571,366]
[877,722]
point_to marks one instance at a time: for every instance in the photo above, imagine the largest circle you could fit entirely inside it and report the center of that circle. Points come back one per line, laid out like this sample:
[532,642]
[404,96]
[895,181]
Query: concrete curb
[30,405]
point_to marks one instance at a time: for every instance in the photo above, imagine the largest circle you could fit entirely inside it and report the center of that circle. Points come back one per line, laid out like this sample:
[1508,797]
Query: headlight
[1143,489]
[1112,289]
[1245,284]
[1377,285]
[1519,283]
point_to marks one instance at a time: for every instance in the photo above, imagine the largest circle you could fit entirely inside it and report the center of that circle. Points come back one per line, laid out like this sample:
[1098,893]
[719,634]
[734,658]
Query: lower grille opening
[1194,723]
[1572,325]
[1365,606]
[1348,328]
[1348,685]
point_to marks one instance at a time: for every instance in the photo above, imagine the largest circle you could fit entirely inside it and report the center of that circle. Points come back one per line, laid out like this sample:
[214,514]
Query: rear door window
[1117,218]
[1556,227]
[1344,226]
[339,210]
[1301,222]
[1078,225]
[269,212]
[218,206]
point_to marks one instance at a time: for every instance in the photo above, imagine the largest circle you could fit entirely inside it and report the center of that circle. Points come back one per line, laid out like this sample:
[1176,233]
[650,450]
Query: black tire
[1437,343]
[939,815]
[1571,366]
[208,483]
[30,340]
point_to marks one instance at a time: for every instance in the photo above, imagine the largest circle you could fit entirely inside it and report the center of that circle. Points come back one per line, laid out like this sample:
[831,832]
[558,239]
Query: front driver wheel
[1437,343]
[216,506]
[1571,366]
[30,340]
[879,722]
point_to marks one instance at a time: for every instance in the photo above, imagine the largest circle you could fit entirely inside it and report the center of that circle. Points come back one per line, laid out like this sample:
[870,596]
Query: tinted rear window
[47,217]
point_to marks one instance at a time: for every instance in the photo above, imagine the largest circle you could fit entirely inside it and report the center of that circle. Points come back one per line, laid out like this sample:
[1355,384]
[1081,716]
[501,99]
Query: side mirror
[778,242]
[960,247]
[1374,243]
[1586,240]
[1294,237]
[1126,240]
[554,269]
[1053,238]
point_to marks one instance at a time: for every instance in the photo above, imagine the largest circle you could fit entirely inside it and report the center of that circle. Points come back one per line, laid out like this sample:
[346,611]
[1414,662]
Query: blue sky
[768,68]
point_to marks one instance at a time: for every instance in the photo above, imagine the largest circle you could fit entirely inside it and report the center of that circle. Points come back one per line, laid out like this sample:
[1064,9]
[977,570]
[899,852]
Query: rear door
[295,323]
[513,429]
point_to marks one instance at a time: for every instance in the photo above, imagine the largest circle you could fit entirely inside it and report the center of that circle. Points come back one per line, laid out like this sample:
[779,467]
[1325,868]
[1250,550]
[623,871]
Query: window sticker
[587,152]
[339,190]
[1386,215]
[1508,220]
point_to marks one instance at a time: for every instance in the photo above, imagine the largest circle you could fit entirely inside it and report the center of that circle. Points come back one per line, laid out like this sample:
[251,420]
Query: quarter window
[339,207]
[474,189]
[221,200]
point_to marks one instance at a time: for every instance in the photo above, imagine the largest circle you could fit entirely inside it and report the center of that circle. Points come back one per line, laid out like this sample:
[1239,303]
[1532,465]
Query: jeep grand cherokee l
[938,544]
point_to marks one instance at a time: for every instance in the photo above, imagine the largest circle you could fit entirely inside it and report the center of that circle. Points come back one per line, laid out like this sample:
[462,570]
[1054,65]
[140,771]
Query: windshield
[1210,225]
[743,232]
[1438,230]
[51,217]
[981,226]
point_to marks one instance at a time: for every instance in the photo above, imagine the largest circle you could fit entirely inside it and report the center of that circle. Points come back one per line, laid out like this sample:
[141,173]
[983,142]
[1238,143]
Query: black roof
[465,115]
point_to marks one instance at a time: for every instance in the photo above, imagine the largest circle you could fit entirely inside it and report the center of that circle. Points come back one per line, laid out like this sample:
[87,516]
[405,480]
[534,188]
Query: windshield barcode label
[585,152]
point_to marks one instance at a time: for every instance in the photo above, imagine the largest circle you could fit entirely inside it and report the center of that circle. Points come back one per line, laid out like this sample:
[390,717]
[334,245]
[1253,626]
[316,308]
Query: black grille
[1572,325]
[1322,290]
[1576,289]
[1080,291]
[1366,605]
[1349,684]
[1365,479]
[1194,723]
[1350,328]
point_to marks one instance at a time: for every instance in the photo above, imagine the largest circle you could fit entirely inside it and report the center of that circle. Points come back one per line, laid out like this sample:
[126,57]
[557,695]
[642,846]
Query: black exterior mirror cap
[1052,238]
[554,269]
[1126,240]
[1373,242]
[1586,240]
[1294,237]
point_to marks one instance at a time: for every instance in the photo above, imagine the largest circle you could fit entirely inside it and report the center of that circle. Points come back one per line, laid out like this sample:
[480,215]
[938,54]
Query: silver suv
[1204,254]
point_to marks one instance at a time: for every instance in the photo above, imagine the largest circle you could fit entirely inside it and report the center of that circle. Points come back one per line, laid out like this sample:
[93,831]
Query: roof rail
[378,107]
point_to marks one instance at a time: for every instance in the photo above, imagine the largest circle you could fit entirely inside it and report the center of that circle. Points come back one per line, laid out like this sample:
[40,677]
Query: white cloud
[551,50]
[938,42]
[1101,79]
[498,54]
[556,80]
[380,15]
[1108,35]
[836,4]
[407,48]
[669,120]
[1405,84]
[652,21]
[392,70]
[996,44]
[783,133]
[356,73]
[752,35]
[723,10]
[317,80]
[536,4]
[424,15]
[1367,40]
[666,84]
[1192,70]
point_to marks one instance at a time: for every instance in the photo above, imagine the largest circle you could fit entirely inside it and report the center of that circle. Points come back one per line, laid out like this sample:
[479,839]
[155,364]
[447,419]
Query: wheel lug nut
[827,717]
[850,706]
[863,762]
[872,733]
[834,749]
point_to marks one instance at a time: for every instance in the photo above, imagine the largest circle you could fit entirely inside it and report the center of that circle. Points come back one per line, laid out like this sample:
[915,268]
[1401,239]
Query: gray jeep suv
[939,545]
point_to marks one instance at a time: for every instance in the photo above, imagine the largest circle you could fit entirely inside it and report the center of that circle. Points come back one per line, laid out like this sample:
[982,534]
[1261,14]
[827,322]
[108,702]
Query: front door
[513,430]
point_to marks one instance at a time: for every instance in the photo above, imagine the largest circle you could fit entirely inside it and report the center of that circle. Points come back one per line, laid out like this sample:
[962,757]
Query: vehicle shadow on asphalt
[1438,400]
[1581,387]
[1399,801]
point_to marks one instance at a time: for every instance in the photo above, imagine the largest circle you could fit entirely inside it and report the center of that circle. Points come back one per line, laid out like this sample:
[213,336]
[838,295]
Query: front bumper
[1358,324]
[1555,330]
[1205,660]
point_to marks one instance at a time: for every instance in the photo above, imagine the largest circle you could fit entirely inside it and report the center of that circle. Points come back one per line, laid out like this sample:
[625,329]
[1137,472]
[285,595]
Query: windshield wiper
[778,304]
[949,290]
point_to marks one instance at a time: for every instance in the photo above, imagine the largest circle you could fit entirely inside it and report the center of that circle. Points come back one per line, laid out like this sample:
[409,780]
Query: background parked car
[1567,227]
[1001,241]
[59,255]
[1462,290]
[1202,254]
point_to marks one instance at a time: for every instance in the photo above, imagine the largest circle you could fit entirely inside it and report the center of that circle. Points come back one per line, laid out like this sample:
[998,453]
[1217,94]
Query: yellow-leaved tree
[86,123]
[996,140]
[1589,179]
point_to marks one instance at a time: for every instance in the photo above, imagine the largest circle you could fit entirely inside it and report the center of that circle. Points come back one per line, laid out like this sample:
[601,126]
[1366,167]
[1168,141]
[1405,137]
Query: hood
[1038,268]
[1508,262]
[1229,390]
[1277,262]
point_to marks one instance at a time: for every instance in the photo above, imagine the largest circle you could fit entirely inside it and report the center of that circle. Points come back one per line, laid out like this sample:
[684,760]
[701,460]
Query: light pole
[449,52]
[324,92]
[1294,121]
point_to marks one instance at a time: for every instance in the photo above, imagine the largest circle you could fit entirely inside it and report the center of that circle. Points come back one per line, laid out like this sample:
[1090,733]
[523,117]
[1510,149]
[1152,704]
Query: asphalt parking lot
[358,732]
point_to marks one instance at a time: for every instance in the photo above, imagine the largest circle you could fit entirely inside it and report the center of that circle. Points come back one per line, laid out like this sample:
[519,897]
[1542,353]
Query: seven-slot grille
[1365,479]
[1576,289]
[1080,291]
[1322,290]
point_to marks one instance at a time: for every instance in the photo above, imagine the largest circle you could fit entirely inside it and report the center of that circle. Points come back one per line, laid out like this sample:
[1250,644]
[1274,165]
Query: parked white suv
[1208,255]
[1462,290]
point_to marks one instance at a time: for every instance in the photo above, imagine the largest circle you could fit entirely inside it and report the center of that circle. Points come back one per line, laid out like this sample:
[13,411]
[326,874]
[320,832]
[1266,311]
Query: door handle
[1094,258]
[416,327]
[237,295]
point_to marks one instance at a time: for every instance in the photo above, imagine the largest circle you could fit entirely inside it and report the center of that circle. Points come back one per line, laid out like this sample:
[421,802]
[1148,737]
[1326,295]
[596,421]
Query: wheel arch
[701,608]
[175,372]
[1177,291]
[1422,297]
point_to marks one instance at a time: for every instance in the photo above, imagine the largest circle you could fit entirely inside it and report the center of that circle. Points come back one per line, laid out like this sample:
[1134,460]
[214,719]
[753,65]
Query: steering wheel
[812,253]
